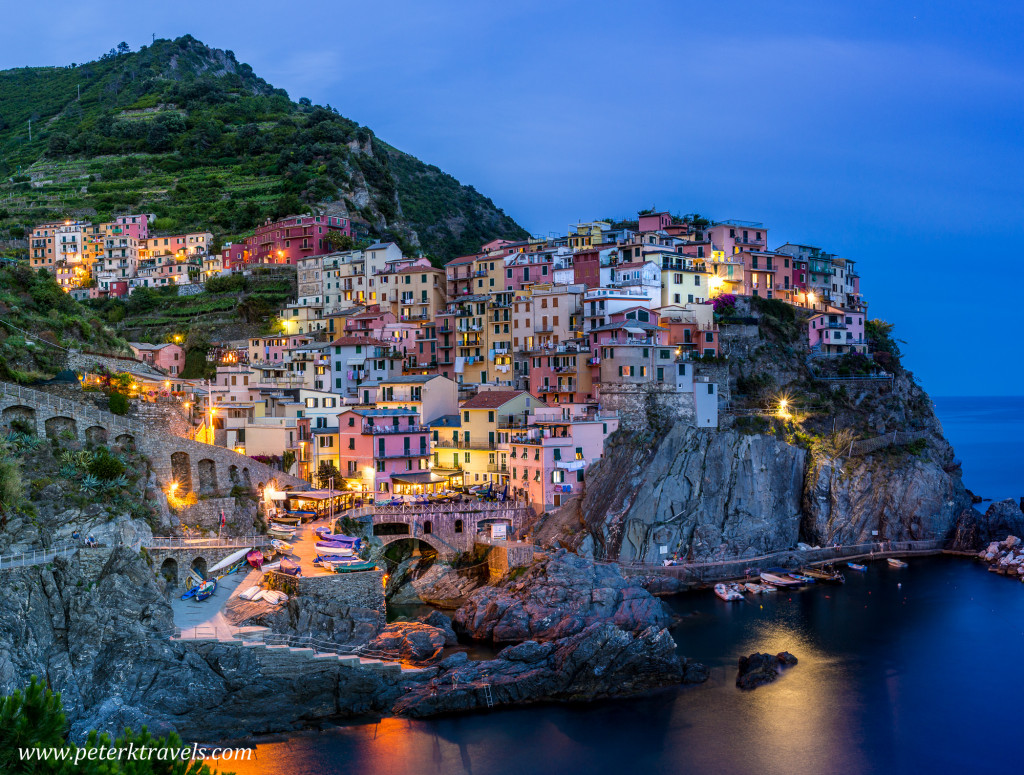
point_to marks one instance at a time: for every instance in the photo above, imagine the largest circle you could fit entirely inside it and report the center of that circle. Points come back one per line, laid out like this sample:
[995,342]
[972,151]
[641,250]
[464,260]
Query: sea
[914,670]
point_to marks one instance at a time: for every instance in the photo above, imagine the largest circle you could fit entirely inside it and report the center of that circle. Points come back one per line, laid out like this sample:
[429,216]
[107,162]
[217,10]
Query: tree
[327,471]
[338,241]
[58,144]
[30,719]
[123,48]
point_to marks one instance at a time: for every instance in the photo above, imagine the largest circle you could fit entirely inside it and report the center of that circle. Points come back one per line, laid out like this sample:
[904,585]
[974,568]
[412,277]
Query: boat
[255,558]
[332,548]
[896,563]
[758,589]
[348,567]
[291,568]
[276,532]
[827,576]
[250,593]
[856,566]
[206,589]
[281,546]
[230,560]
[287,519]
[727,592]
[779,581]
[269,566]
[282,527]
[803,579]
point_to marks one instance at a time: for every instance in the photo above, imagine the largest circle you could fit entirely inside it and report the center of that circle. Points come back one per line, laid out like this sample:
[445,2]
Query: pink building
[370,323]
[134,226]
[169,358]
[837,331]
[272,349]
[654,222]
[287,240]
[549,458]
[732,237]
[385,449]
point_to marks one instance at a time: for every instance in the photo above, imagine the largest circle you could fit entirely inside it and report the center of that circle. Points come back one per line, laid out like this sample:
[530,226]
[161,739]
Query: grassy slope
[188,132]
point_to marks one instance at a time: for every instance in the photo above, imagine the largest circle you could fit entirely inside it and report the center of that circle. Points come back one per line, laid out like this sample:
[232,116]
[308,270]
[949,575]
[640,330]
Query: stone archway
[391,529]
[207,476]
[55,426]
[181,471]
[96,434]
[246,481]
[169,571]
[233,474]
[125,441]
[199,565]
[22,416]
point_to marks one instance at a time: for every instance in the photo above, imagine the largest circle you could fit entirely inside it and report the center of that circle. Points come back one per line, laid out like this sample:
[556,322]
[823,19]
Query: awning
[637,331]
[314,495]
[419,477]
[356,361]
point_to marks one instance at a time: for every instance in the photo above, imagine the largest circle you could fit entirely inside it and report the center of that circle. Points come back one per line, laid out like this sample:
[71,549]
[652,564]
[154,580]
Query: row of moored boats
[777,578]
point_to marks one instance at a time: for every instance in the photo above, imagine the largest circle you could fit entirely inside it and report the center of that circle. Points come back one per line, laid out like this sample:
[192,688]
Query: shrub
[118,404]
[106,466]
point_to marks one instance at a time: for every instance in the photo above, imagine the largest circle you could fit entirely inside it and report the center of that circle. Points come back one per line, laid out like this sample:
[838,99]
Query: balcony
[454,444]
[398,455]
[497,468]
[393,429]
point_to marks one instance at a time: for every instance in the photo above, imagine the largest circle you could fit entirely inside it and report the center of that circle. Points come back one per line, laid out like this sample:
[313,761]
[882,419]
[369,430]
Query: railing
[454,444]
[37,556]
[180,542]
[735,566]
[496,468]
[386,429]
[425,510]
[896,438]
[405,453]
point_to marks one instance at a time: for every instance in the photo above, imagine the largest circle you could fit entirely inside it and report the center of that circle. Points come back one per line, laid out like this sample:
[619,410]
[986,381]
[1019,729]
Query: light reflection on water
[873,691]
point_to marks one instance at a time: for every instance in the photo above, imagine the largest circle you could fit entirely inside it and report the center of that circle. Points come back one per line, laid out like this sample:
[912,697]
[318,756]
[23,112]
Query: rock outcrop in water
[557,598]
[599,661]
[759,669]
[974,530]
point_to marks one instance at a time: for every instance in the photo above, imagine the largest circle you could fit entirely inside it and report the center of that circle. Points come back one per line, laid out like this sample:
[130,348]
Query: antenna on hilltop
[154,37]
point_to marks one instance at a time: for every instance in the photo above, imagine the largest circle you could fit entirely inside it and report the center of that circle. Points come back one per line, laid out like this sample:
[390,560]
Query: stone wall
[205,514]
[197,467]
[358,589]
[505,555]
[183,558]
[86,361]
[635,402]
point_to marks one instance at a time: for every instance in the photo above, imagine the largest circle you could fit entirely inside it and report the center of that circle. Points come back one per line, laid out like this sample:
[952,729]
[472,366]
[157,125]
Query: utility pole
[30,130]
[79,87]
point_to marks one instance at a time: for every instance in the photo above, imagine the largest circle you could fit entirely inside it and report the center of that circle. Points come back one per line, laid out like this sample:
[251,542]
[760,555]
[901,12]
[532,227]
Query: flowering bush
[725,304]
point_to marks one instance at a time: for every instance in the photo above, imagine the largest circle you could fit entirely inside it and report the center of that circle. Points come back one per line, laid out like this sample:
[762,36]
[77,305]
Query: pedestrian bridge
[449,528]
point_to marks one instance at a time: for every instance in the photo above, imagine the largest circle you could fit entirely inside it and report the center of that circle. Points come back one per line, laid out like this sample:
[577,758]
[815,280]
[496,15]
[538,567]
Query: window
[557,476]
[490,417]
[579,453]
[351,422]
[465,418]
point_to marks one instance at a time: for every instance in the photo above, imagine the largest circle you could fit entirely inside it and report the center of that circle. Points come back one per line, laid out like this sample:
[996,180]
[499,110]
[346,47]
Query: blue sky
[886,132]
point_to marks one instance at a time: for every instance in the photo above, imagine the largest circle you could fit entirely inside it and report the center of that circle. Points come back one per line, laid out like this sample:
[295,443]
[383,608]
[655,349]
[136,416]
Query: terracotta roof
[491,399]
[464,259]
[417,269]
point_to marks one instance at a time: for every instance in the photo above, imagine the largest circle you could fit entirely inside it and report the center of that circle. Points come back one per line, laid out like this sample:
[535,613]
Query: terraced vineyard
[189,133]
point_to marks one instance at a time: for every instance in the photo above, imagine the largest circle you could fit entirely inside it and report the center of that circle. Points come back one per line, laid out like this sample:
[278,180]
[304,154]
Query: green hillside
[191,134]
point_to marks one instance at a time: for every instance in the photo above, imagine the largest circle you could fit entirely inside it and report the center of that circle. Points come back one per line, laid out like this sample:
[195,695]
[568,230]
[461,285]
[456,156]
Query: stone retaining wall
[633,402]
[505,555]
[359,589]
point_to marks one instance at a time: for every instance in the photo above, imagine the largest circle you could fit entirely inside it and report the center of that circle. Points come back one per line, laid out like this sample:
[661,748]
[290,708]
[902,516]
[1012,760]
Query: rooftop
[492,399]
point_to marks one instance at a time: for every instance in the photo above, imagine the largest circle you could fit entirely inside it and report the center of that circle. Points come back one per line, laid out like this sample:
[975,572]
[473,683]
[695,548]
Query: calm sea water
[901,671]
[987,433]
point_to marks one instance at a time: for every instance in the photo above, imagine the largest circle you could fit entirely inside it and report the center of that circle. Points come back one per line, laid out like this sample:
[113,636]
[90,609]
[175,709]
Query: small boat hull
[779,581]
[895,563]
[856,566]
[206,589]
[728,593]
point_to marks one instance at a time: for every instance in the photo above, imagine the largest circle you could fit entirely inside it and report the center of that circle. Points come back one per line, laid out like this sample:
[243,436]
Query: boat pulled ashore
[728,592]
[778,580]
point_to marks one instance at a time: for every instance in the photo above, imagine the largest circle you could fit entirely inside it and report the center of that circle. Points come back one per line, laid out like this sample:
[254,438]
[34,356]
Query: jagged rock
[444,623]
[599,661]
[974,529]
[701,493]
[318,617]
[438,585]
[410,640]
[558,597]
[759,669]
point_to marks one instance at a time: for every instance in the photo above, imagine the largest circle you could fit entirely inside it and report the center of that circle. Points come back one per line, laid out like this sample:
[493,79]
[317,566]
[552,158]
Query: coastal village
[391,378]
[511,436]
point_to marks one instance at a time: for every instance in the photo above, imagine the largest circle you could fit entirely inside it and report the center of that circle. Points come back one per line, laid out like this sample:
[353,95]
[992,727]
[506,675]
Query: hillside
[40,322]
[188,132]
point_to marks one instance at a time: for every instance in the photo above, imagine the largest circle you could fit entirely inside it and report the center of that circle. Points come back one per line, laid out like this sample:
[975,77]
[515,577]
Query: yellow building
[482,438]
[413,294]
[685,281]
[583,236]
